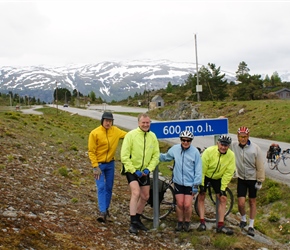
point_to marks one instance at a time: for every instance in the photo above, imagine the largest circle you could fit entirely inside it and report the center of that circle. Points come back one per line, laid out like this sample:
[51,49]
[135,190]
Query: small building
[157,101]
[283,93]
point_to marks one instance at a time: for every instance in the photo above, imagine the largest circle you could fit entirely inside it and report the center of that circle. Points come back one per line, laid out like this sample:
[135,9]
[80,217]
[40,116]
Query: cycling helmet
[186,134]
[243,130]
[107,115]
[224,139]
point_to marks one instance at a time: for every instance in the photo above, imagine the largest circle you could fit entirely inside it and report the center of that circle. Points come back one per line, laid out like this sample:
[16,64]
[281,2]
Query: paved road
[129,122]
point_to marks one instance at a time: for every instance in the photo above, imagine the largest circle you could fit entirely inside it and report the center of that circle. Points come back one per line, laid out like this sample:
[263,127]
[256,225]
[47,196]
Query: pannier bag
[162,186]
[274,149]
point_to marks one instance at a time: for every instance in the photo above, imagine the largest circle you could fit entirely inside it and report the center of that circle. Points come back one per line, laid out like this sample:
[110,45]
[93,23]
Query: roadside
[106,107]
[32,110]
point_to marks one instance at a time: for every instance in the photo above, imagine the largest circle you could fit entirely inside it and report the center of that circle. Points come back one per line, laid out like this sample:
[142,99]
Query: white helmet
[186,134]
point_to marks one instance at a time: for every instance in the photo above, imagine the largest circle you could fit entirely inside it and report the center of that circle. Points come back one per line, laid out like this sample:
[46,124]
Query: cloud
[62,32]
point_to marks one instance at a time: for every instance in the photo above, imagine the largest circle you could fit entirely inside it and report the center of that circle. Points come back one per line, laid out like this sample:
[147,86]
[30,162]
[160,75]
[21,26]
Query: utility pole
[56,98]
[198,87]
[78,101]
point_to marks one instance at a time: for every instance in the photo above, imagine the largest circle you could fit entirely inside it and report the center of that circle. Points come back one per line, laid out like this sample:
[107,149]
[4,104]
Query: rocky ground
[44,206]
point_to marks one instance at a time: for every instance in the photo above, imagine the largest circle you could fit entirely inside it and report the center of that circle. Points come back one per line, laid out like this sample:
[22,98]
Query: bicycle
[276,158]
[167,201]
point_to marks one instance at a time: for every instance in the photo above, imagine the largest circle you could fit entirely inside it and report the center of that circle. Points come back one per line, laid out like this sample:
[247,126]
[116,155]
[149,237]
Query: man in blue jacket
[187,173]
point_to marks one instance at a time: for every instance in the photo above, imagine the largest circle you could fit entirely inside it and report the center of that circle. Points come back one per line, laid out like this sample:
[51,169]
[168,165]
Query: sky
[62,32]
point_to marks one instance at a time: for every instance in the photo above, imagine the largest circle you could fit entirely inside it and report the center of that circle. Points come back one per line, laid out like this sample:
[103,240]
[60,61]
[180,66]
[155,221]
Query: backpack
[274,149]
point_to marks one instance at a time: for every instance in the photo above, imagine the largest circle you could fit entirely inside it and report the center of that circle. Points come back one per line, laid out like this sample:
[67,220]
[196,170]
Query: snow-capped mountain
[109,80]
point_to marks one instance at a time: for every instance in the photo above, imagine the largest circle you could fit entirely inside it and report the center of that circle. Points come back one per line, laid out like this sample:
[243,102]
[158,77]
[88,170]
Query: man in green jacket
[218,167]
[139,155]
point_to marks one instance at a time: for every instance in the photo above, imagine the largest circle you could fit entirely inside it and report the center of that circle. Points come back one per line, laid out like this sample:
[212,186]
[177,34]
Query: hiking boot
[133,228]
[242,224]
[224,230]
[107,213]
[102,217]
[201,227]
[186,226]
[251,231]
[179,226]
[140,226]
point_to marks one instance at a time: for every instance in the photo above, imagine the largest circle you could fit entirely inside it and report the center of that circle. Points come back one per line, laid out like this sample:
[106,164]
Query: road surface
[129,122]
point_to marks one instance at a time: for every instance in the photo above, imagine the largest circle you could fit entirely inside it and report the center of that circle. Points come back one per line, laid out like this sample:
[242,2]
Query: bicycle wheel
[272,162]
[166,201]
[283,165]
[210,204]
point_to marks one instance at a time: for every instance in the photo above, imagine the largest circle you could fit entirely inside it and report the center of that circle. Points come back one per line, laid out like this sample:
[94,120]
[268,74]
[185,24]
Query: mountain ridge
[110,80]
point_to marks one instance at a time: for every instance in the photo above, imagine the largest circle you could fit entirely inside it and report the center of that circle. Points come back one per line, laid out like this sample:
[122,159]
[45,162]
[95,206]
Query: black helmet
[224,139]
[107,115]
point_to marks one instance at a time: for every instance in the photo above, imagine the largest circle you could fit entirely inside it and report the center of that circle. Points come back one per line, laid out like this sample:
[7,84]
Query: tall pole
[78,104]
[197,80]
[56,98]
[148,99]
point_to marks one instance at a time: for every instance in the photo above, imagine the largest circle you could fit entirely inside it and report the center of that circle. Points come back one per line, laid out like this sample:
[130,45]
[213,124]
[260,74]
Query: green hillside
[268,119]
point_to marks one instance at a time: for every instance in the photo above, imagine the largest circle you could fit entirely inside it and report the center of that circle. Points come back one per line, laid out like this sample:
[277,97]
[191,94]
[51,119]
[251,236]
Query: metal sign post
[217,204]
[155,198]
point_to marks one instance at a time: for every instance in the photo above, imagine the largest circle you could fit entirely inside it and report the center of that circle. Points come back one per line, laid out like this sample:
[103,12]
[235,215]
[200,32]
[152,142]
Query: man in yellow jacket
[102,145]
[140,155]
[218,167]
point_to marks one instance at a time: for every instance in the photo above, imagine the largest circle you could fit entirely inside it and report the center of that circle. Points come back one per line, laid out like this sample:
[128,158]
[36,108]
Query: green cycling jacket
[218,166]
[140,150]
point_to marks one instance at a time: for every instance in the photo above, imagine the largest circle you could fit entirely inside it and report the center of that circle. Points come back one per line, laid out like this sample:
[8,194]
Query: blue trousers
[105,185]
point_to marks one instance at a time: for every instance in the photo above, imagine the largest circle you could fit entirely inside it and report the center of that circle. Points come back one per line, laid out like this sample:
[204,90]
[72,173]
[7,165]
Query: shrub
[74,148]
[274,217]
[63,171]
[273,194]
[74,200]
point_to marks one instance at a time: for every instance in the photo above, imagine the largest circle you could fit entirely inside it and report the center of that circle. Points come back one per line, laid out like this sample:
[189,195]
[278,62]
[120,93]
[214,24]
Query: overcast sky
[57,33]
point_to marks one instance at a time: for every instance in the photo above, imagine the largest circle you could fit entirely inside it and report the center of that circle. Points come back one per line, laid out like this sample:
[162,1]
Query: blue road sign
[202,127]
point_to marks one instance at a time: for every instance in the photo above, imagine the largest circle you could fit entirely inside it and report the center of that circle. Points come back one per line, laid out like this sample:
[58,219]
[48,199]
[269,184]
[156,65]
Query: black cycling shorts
[215,184]
[143,181]
[245,186]
[179,189]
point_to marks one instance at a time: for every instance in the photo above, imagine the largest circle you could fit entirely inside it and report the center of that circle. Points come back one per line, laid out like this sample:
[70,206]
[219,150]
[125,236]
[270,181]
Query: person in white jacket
[250,172]
[187,174]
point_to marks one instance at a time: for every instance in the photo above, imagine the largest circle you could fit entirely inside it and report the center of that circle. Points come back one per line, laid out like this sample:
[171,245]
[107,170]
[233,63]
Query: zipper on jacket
[108,145]
[144,147]
[217,166]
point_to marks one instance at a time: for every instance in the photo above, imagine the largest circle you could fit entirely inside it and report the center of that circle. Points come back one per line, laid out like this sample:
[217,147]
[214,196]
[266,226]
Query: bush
[63,171]
[273,194]
[274,217]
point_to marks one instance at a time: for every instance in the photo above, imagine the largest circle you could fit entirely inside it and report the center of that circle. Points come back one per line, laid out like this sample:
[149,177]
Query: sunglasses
[185,140]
